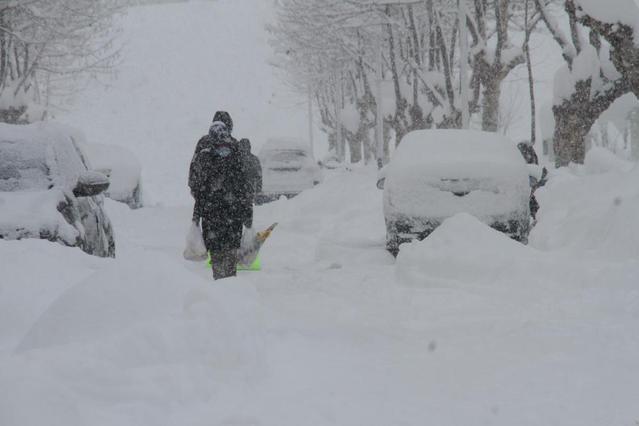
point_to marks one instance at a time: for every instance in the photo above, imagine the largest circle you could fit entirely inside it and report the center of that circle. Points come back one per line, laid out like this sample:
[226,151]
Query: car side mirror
[91,183]
[381,182]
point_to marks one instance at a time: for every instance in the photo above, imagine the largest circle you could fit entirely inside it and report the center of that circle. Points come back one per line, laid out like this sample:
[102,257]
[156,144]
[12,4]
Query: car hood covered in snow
[36,214]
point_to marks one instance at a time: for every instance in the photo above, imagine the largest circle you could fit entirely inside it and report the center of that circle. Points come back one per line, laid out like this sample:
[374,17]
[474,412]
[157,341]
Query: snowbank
[33,273]
[138,334]
[461,250]
[600,160]
[590,214]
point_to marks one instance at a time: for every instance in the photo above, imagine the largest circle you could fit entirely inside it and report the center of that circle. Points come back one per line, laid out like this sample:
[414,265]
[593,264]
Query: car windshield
[287,156]
[23,166]
[285,159]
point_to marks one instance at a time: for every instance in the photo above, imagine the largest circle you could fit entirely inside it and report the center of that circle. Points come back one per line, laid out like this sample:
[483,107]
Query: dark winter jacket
[218,182]
[253,167]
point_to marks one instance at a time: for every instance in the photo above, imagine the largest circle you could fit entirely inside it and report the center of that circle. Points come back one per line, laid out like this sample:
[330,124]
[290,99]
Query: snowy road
[467,327]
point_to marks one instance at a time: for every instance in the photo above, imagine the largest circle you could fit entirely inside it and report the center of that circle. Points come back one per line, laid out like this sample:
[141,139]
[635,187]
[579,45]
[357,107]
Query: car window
[286,156]
[23,166]
[83,157]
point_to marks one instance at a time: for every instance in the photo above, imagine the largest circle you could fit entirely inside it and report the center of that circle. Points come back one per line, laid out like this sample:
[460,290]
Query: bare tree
[587,84]
[324,43]
[47,47]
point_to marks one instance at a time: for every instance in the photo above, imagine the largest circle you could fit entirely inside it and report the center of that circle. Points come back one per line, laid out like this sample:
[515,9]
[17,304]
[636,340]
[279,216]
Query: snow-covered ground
[466,327]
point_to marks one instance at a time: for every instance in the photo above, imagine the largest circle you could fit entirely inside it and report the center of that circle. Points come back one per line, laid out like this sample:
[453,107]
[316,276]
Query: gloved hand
[248,223]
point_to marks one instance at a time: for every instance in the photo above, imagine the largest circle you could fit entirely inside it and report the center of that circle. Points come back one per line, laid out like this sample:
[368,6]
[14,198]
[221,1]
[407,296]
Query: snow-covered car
[49,191]
[330,161]
[288,168]
[436,174]
[122,168]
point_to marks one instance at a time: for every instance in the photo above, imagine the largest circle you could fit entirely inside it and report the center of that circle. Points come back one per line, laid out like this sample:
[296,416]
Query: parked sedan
[436,174]
[48,190]
[288,168]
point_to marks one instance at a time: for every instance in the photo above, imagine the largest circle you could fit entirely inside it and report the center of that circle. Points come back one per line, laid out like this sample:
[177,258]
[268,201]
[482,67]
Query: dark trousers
[224,263]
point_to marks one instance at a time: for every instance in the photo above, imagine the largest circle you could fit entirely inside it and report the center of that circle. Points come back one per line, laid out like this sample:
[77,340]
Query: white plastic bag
[195,250]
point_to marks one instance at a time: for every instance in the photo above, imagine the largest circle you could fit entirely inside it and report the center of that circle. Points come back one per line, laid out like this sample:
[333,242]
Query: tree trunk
[490,104]
[370,151]
[332,141]
[572,126]
[355,145]
[387,140]
[634,134]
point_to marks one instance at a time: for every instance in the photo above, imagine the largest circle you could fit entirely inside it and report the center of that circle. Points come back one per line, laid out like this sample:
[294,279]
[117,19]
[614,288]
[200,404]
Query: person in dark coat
[220,116]
[253,168]
[218,182]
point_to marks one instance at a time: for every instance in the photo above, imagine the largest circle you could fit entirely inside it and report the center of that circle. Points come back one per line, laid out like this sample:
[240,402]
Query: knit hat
[218,130]
[225,118]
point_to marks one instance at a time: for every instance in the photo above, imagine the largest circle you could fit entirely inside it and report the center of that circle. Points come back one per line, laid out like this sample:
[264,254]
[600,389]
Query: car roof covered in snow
[453,152]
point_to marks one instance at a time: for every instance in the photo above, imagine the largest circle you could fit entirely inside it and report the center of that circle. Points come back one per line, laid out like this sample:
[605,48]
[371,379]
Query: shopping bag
[195,250]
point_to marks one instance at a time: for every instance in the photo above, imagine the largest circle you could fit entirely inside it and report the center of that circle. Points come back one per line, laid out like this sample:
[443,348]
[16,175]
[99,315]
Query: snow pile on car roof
[471,153]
